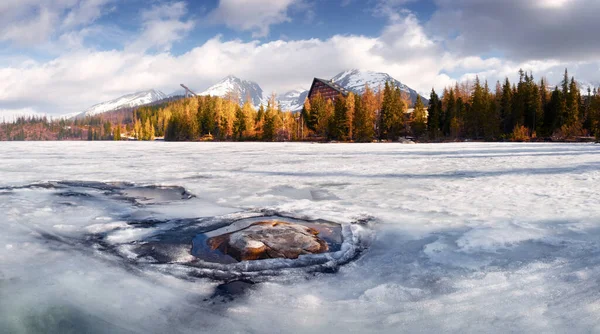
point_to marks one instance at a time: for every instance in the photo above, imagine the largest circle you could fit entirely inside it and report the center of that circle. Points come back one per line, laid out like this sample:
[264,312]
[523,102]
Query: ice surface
[467,237]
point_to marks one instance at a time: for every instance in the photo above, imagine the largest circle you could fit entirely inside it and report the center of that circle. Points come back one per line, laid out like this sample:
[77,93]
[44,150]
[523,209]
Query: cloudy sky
[62,56]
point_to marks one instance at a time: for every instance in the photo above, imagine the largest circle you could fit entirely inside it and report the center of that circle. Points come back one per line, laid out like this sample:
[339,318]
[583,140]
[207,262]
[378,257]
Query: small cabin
[328,89]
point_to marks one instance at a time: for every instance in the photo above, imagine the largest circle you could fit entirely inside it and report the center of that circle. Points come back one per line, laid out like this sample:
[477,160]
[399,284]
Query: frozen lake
[457,237]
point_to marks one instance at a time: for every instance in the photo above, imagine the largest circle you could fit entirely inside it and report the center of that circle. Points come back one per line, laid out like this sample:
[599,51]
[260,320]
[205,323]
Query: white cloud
[28,32]
[253,15]
[162,25]
[85,12]
[29,22]
[406,49]
[557,4]
[88,77]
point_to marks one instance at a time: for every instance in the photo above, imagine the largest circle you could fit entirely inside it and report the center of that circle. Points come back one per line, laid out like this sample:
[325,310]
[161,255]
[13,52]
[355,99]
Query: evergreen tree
[585,115]
[433,116]
[239,125]
[392,112]
[318,118]
[269,126]
[107,130]
[363,122]
[260,117]
[385,115]
[117,132]
[554,112]
[565,84]
[449,111]
[572,101]
[519,100]
[339,123]
[419,124]
[349,126]
[506,108]
[372,103]
[489,119]
[479,105]
[545,104]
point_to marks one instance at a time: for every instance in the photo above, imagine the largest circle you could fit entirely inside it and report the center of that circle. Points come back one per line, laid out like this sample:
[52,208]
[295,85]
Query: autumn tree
[239,125]
[362,122]
[419,118]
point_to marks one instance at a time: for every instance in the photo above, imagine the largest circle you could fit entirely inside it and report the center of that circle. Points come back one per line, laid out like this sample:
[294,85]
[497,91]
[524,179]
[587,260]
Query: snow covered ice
[463,237]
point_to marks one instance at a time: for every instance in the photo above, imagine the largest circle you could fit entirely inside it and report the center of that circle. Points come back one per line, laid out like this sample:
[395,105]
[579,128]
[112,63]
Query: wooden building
[327,88]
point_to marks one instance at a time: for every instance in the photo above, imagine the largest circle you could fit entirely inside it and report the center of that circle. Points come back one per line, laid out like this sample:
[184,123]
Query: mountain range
[353,80]
[357,80]
[125,101]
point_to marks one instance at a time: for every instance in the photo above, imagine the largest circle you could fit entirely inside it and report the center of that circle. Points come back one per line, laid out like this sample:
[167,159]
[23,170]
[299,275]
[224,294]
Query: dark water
[149,241]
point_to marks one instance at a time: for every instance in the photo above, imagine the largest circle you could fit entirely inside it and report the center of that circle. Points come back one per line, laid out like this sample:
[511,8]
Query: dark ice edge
[357,237]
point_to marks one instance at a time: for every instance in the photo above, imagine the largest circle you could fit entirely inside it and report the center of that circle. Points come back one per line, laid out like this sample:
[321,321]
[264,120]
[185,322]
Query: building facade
[327,89]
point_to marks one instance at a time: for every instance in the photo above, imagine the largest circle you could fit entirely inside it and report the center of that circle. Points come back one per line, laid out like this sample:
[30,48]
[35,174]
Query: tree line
[215,118]
[521,111]
[526,110]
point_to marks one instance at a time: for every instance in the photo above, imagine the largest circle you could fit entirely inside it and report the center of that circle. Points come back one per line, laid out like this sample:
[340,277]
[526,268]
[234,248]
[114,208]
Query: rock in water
[269,240]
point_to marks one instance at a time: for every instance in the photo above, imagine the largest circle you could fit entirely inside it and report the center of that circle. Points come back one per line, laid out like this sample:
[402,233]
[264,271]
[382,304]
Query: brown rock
[268,240]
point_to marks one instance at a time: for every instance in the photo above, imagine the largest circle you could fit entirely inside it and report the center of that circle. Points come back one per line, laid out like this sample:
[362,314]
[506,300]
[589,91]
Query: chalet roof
[332,85]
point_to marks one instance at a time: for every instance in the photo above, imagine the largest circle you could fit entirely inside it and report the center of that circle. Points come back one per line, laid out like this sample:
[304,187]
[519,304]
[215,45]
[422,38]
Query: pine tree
[573,98]
[306,115]
[269,126]
[317,117]
[385,116]
[363,121]
[489,119]
[506,108]
[585,115]
[545,103]
[117,132]
[474,114]
[554,112]
[349,126]
[519,100]
[148,131]
[433,116]
[565,84]
[392,112]
[595,114]
[449,111]
[419,118]
[260,117]
[339,122]
[239,125]
[373,103]
[250,115]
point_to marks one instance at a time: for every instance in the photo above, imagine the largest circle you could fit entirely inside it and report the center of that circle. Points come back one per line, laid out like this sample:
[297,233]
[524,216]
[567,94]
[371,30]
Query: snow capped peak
[232,78]
[292,100]
[125,101]
[584,85]
[295,93]
[242,89]
[357,79]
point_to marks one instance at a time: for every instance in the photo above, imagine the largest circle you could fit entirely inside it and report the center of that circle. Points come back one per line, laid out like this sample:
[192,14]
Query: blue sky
[61,56]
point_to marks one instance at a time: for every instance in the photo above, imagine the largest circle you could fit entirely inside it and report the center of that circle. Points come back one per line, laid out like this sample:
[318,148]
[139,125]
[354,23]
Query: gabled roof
[331,84]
